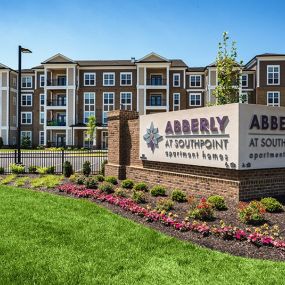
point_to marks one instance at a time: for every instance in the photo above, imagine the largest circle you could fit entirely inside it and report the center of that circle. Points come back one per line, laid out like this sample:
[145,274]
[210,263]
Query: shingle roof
[105,62]
[178,63]
[264,55]
[196,69]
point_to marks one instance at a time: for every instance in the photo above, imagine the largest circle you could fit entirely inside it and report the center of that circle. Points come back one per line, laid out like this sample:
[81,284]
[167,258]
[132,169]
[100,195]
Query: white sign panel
[234,136]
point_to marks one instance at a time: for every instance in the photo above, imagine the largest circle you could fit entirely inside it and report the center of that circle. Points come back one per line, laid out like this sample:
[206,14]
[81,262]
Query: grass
[49,239]
[48,181]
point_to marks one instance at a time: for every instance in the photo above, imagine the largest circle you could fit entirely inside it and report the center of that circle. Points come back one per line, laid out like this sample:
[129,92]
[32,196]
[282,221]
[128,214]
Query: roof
[196,69]
[178,63]
[58,58]
[28,70]
[38,67]
[3,66]
[120,62]
[264,55]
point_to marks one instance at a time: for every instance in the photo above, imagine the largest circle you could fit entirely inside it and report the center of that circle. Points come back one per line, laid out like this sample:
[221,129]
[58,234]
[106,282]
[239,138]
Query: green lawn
[48,239]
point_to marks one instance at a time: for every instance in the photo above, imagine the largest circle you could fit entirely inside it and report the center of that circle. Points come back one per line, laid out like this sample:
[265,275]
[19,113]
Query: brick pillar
[119,142]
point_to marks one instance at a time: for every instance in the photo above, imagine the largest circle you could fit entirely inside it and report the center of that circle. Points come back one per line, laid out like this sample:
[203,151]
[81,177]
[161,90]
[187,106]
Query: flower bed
[225,232]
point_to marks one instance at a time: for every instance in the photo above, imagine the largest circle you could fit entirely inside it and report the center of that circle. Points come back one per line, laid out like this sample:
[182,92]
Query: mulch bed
[238,248]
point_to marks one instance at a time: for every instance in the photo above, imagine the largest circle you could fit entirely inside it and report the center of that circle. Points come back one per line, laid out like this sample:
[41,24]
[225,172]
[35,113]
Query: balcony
[156,103]
[59,82]
[59,102]
[156,81]
[56,123]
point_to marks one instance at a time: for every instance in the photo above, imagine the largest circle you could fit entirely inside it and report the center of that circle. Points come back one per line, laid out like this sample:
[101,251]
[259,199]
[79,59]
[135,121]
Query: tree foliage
[91,128]
[228,72]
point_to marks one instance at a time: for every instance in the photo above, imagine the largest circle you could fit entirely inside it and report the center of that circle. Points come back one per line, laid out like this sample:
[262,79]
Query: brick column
[119,142]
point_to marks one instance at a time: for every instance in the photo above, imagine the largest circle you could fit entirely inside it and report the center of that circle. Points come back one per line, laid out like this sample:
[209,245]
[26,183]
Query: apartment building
[60,95]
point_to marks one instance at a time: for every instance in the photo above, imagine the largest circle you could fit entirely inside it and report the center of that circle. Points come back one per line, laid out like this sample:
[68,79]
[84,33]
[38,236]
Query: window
[26,118]
[244,80]
[14,100]
[273,98]
[156,79]
[156,100]
[195,80]
[42,80]
[176,79]
[26,134]
[42,138]
[273,74]
[243,98]
[195,99]
[89,105]
[14,120]
[109,79]
[42,99]
[126,101]
[87,141]
[176,101]
[104,142]
[89,79]
[26,100]
[42,118]
[27,82]
[14,81]
[108,104]
[126,78]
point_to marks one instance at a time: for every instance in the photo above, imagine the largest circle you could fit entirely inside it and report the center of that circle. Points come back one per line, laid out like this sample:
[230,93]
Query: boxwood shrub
[100,178]
[178,196]
[111,179]
[128,184]
[139,196]
[157,190]
[141,186]
[218,202]
[271,205]
[107,187]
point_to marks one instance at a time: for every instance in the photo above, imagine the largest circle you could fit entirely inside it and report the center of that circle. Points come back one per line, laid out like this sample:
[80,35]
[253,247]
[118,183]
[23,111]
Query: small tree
[26,142]
[228,73]
[1,142]
[91,128]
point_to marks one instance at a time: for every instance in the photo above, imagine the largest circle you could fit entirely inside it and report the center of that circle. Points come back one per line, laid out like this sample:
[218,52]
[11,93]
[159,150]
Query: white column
[167,89]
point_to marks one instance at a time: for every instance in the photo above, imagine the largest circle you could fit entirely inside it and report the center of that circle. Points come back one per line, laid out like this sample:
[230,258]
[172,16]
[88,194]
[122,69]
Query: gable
[153,57]
[59,58]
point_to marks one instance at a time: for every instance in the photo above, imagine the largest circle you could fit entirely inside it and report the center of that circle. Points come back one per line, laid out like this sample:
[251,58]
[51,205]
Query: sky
[116,29]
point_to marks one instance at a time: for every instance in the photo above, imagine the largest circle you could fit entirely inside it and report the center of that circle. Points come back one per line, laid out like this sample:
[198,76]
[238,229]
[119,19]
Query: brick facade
[124,162]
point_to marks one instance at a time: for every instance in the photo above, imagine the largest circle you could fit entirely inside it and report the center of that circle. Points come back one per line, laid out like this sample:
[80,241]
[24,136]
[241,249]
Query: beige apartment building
[60,95]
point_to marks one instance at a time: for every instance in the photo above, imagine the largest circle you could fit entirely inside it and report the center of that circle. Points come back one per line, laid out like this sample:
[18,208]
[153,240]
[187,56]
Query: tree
[26,142]
[91,128]
[228,73]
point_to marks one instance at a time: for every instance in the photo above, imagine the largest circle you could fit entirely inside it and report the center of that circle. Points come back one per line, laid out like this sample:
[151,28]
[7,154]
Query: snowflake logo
[152,137]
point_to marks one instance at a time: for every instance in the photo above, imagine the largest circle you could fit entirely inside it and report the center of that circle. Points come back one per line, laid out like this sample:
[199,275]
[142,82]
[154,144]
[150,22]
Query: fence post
[15,152]
[62,160]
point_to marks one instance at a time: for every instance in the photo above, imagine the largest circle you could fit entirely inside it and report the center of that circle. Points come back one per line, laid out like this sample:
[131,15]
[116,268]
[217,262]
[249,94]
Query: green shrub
[139,197]
[32,169]
[86,168]
[252,213]
[120,192]
[157,190]
[8,179]
[271,205]
[141,186]
[91,183]
[106,187]
[127,183]
[80,180]
[218,202]
[102,168]
[111,179]
[47,181]
[67,169]
[100,178]
[46,170]
[164,205]
[17,168]
[2,170]
[50,169]
[202,210]
[178,195]
[26,142]
[1,142]
[21,181]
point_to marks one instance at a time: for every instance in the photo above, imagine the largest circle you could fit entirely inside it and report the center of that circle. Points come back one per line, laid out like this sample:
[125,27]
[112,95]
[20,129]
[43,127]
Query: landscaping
[48,239]
[254,229]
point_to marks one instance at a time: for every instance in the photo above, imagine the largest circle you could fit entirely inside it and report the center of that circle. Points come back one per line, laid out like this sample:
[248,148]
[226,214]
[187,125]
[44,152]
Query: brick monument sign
[236,150]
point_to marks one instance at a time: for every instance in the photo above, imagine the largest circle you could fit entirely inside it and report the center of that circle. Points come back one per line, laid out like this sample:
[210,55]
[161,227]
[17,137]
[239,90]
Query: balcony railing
[156,103]
[56,123]
[56,82]
[156,81]
[57,102]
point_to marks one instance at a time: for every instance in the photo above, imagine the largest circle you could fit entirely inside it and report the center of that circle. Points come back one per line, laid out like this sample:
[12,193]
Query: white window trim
[174,101]
[29,94]
[40,137]
[179,83]
[199,94]
[278,92]
[40,118]
[89,73]
[30,132]
[192,75]
[22,118]
[42,76]
[131,104]
[126,74]
[245,86]
[275,65]
[26,76]
[85,93]
[42,94]
[103,111]
[107,73]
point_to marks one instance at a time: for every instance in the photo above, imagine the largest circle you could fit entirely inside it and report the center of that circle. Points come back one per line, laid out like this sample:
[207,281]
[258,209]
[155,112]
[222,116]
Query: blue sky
[190,30]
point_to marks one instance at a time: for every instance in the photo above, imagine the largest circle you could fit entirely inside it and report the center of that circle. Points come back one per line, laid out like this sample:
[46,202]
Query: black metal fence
[46,158]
